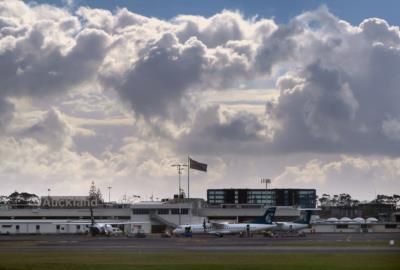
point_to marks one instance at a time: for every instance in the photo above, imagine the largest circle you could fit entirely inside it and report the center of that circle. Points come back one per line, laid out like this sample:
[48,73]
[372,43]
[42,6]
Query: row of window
[64,217]
[163,211]
[58,227]
[301,197]
[365,226]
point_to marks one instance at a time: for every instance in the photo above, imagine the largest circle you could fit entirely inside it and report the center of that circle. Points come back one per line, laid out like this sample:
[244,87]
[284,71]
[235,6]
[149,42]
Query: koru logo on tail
[268,218]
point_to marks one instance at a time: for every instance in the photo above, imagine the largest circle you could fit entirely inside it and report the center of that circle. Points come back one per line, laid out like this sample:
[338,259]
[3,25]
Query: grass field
[198,260]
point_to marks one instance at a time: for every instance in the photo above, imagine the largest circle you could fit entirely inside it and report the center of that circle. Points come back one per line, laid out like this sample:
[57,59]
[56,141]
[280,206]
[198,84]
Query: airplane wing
[89,223]
[125,223]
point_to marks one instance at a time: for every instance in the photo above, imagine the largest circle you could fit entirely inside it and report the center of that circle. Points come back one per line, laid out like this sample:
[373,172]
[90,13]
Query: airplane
[95,228]
[261,223]
[302,223]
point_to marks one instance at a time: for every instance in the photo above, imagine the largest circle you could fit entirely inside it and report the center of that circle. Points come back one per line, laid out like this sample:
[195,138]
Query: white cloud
[362,176]
[391,128]
[116,96]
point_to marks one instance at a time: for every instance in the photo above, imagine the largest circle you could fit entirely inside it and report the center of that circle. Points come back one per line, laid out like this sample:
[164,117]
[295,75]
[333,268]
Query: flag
[193,164]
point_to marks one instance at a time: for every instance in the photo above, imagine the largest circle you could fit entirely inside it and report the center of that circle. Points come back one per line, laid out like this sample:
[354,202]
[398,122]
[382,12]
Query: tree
[386,199]
[99,196]
[3,200]
[95,193]
[325,199]
[23,199]
[342,199]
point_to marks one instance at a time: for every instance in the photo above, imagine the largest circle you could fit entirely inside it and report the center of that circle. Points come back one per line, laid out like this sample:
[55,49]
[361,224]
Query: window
[57,227]
[37,227]
[342,226]
[163,211]
[78,227]
[140,211]
[184,211]
[175,211]
[390,226]
[17,227]
[123,217]
[6,226]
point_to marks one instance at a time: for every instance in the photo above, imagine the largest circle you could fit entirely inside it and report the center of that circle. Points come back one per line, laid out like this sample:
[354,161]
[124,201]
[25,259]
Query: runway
[316,243]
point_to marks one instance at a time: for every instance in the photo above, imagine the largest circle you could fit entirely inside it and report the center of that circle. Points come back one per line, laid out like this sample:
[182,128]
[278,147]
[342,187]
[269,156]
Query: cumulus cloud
[348,173]
[333,106]
[44,52]
[336,86]
[216,131]
[51,130]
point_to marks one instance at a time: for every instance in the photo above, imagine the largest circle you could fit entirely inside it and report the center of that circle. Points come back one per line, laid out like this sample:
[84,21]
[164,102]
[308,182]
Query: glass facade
[305,198]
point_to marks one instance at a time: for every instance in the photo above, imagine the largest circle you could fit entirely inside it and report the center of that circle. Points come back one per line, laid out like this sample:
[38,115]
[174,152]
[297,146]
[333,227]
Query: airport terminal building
[223,205]
[304,198]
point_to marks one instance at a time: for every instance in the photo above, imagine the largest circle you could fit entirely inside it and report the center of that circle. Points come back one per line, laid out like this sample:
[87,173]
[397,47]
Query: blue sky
[353,11]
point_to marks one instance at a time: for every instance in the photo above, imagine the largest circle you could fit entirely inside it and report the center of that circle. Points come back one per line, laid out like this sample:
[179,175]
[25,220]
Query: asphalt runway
[314,243]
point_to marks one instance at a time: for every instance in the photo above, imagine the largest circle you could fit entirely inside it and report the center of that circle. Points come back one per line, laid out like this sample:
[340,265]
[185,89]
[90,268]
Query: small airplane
[105,228]
[302,223]
[261,223]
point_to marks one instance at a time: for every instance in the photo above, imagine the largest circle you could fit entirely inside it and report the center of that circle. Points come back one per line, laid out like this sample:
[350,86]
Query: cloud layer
[335,90]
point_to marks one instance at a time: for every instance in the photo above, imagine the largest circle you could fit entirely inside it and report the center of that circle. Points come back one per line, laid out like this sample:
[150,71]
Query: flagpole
[188,168]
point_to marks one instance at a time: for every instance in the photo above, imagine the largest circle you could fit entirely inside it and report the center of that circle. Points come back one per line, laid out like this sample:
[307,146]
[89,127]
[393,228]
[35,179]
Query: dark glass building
[305,198]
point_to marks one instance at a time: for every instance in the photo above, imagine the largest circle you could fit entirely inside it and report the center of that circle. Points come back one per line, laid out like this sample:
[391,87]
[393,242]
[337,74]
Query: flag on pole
[193,164]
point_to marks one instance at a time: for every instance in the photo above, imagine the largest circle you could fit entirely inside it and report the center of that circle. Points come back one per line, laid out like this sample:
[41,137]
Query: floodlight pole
[266,181]
[109,193]
[180,168]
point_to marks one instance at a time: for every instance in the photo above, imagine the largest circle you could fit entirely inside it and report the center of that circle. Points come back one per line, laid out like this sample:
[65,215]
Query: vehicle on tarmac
[261,223]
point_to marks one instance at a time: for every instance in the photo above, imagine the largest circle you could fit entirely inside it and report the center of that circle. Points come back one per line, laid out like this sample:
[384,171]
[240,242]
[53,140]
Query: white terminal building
[54,213]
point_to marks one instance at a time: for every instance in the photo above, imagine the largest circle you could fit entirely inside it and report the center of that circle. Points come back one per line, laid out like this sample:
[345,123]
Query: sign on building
[67,202]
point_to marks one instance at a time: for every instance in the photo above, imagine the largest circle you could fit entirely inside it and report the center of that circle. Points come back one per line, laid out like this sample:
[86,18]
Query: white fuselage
[221,229]
[290,226]
[106,229]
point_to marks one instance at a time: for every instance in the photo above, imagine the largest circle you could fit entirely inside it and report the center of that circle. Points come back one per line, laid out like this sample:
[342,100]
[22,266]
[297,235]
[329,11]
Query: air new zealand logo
[268,218]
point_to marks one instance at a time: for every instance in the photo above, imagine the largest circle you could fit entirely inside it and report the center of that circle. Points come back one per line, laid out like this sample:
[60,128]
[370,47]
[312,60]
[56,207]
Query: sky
[305,93]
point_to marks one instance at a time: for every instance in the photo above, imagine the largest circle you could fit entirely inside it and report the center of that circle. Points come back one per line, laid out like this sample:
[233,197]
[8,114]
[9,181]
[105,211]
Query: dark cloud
[276,48]
[6,113]
[35,68]
[52,130]
[157,81]
[336,111]
[209,134]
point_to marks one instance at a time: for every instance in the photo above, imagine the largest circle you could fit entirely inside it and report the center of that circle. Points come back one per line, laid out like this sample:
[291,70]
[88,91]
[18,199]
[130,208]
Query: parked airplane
[302,223]
[261,223]
[100,227]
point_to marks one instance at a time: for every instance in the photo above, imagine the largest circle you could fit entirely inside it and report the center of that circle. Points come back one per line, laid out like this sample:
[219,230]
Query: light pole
[109,193]
[48,192]
[266,181]
[180,168]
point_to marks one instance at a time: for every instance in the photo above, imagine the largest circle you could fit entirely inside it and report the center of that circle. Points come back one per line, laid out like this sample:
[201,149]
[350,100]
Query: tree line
[26,199]
[344,199]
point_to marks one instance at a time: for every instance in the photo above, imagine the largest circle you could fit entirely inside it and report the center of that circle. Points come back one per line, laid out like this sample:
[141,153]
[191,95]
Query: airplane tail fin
[306,218]
[267,218]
